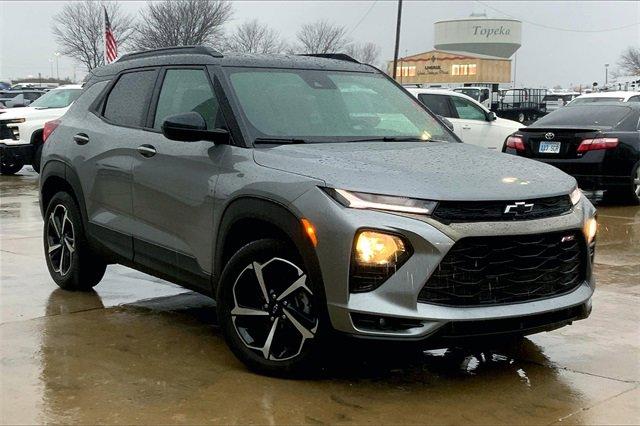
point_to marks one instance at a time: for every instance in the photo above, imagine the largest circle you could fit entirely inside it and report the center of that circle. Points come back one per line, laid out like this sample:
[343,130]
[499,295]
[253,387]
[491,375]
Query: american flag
[110,45]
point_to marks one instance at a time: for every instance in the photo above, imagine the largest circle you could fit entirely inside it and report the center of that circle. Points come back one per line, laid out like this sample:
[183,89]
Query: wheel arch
[57,176]
[249,219]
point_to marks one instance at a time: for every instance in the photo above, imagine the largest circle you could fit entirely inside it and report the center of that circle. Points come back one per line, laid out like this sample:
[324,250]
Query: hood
[507,124]
[431,170]
[33,113]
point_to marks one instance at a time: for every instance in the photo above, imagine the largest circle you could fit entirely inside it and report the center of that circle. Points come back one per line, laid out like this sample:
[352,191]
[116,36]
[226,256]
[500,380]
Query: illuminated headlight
[575,196]
[362,200]
[376,256]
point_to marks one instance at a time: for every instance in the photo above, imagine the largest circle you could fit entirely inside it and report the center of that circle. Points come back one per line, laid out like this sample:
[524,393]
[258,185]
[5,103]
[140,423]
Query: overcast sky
[547,57]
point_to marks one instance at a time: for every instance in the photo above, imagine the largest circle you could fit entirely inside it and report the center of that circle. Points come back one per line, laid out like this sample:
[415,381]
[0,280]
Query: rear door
[105,144]
[174,181]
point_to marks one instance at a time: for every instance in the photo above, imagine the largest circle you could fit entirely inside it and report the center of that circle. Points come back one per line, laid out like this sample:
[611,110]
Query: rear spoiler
[561,129]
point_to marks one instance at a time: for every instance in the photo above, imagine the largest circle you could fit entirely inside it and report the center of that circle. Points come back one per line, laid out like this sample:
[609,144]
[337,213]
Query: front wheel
[10,165]
[269,309]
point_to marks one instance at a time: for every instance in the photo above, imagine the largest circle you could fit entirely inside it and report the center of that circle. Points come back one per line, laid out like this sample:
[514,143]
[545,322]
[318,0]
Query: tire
[10,165]
[275,328]
[71,262]
[627,195]
[521,117]
[37,155]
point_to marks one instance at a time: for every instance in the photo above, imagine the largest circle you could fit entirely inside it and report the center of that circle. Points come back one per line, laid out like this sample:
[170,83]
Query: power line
[363,17]
[549,27]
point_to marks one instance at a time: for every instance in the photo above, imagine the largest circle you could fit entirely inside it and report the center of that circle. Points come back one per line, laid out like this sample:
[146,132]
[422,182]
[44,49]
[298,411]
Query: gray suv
[312,197]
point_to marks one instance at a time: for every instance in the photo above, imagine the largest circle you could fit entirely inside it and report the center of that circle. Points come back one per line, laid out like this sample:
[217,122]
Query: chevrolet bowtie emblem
[518,208]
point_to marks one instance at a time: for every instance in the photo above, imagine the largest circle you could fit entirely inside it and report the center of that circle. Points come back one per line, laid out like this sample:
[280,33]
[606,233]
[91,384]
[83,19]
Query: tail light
[49,127]
[597,143]
[515,142]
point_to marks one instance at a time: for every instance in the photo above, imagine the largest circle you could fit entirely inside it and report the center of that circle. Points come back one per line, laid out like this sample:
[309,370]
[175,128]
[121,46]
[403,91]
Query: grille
[507,269]
[487,211]
[7,133]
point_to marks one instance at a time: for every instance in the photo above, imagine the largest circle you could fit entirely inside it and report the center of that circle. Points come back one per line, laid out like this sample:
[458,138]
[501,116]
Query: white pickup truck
[21,128]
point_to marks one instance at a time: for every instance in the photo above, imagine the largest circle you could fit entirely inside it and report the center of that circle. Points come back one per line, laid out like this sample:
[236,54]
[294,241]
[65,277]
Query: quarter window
[128,101]
[468,110]
[187,90]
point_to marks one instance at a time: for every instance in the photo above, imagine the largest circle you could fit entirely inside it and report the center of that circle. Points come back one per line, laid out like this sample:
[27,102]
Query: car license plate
[549,147]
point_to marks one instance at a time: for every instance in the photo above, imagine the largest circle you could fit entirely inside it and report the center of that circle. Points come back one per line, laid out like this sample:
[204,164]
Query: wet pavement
[141,350]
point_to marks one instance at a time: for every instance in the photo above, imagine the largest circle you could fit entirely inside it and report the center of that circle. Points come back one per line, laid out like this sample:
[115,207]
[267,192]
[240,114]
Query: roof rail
[175,50]
[337,56]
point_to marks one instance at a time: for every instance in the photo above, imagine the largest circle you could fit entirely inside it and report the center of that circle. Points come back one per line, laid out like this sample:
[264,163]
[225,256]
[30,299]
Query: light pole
[395,54]
[57,55]
[606,75]
[51,66]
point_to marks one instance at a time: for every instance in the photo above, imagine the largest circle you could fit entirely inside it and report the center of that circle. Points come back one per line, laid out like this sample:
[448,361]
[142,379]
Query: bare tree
[367,53]
[78,30]
[255,37]
[181,23]
[322,37]
[629,61]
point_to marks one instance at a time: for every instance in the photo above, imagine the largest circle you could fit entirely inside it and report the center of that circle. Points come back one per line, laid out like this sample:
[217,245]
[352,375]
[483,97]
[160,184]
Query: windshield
[592,99]
[59,98]
[330,106]
[598,116]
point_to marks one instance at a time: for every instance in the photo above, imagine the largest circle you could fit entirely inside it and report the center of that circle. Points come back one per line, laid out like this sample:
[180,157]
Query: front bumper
[21,152]
[397,298]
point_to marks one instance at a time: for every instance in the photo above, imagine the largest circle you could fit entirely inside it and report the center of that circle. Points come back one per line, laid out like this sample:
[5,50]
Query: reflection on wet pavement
[141,350]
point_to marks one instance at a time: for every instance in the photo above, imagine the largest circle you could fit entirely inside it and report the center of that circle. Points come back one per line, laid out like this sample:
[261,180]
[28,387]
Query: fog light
[376,256]
[590,229]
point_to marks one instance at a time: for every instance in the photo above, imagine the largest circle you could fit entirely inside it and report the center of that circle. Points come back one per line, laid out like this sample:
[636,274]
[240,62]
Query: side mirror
[446,122]
[491,116]
[191,127]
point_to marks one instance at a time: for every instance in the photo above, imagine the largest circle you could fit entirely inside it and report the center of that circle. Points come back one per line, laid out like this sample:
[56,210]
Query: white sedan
[21,128]
[472,122]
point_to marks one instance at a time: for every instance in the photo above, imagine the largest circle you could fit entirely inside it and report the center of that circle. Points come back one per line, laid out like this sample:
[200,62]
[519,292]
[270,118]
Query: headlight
[361,200]
[376,256]
[575,196]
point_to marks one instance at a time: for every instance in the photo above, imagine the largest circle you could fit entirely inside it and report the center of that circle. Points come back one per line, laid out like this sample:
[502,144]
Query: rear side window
[438,104]
[187,90]
[127,102]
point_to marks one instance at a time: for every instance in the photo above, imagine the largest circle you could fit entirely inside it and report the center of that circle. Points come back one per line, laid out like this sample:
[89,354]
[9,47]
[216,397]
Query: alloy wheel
[60,240]
[273,311]
[636,183]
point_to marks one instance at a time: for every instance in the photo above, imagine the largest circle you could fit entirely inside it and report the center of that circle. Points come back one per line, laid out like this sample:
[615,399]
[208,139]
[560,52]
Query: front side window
[467,110]
[329,106]
[59,98]
[128,101]
[438,104]
[186,90]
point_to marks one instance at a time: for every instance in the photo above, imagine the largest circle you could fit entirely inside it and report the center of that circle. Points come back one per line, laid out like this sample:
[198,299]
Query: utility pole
[606,75]
[395,54]
[57,55]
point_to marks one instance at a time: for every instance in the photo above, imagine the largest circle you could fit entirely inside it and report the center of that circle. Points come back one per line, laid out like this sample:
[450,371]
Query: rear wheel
[269,310]
[629,194]
[10,165]
[71,262]
[521,117]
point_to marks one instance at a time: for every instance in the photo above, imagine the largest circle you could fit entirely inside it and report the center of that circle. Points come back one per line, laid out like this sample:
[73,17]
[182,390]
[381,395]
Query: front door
[174,183]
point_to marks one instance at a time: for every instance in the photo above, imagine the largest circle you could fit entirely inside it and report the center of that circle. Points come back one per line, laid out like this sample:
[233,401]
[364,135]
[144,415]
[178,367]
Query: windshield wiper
[275,141]
[389,139]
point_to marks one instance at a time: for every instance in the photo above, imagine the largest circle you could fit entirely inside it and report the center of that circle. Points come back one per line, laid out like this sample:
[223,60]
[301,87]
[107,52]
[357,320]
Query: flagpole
[104,34]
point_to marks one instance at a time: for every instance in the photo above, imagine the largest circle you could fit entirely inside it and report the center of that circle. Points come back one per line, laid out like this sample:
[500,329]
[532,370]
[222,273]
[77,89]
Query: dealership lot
[141,350]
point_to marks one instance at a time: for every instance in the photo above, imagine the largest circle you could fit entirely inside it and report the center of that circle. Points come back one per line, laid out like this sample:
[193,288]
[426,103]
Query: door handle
[466,128]
[81,139]
[147,150]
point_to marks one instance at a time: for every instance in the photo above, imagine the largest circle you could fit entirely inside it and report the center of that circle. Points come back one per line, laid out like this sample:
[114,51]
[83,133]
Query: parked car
[599,97]
[553,101]
[472,122]
[477,93]
[19,98]
[598,144]
[21,129]
[251,179]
